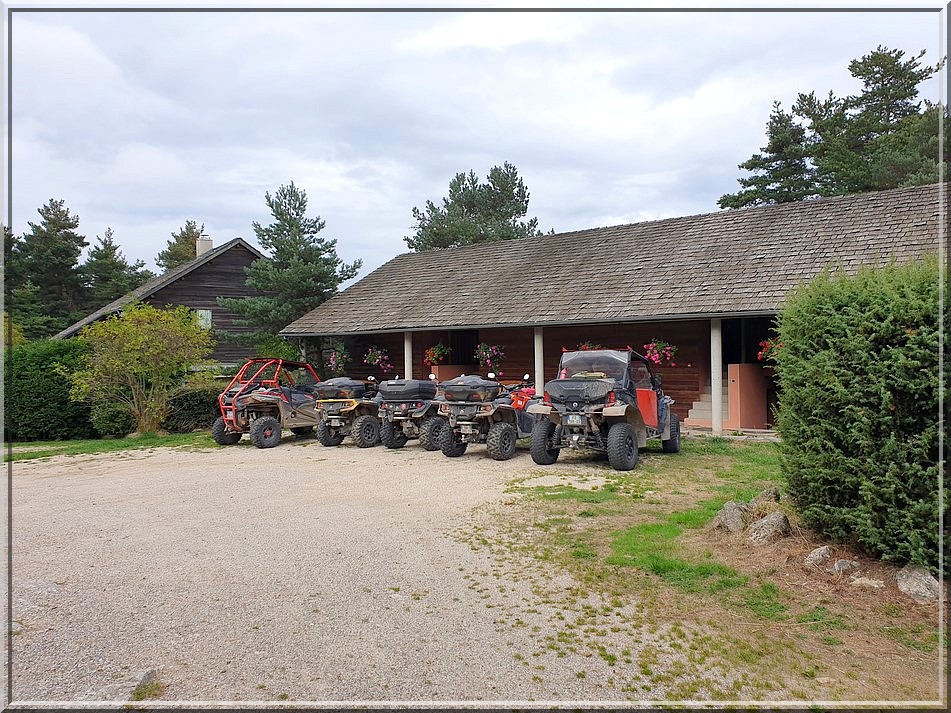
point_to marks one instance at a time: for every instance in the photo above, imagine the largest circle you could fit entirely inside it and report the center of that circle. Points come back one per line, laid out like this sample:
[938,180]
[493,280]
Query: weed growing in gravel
[151,687]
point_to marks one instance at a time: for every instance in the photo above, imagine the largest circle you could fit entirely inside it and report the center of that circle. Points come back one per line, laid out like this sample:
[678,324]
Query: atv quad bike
[410,409]
[604,400]
[265,396]
[348,407]
[484,411]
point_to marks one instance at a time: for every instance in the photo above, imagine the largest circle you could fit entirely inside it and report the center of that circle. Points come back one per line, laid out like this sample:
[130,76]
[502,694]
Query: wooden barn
[215,272]
[709,284]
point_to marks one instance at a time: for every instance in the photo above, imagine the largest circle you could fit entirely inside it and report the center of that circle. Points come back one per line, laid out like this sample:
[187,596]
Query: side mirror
[491,375]
[527,377]
[432,377]
[371,378]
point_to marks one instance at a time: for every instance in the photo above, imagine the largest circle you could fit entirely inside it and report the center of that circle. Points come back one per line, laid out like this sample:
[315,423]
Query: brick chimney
[202,245]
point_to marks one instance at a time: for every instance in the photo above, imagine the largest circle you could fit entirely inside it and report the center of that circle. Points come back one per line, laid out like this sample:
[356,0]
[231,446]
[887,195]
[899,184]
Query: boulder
[770,495]
[918,583]
[819,556]
[771,527]
[842,566]
[730,517]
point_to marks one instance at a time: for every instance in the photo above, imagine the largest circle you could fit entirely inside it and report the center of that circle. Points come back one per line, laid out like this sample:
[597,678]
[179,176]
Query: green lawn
[31,450]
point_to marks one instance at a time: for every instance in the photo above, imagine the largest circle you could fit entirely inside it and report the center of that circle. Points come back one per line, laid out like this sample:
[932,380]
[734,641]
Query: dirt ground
[304,573]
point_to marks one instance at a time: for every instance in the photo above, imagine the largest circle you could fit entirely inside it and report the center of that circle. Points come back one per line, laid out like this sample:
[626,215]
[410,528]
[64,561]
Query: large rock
[731,517]
[918,583]
[842,566]
[770,495]
[819,556]
[772,527]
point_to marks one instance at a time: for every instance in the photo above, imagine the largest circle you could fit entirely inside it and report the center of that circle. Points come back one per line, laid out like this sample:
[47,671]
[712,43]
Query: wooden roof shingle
[728,263]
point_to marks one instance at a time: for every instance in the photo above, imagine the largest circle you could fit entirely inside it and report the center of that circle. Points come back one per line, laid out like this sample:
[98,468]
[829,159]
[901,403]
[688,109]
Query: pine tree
[108,275]
[475,212]
[182,247]
[303,269]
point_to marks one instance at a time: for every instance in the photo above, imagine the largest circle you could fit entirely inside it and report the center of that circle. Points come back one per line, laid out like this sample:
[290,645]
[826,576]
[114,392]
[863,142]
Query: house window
[204,318]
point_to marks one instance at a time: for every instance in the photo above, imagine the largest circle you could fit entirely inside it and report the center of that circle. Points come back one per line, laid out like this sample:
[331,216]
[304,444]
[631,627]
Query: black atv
[484,411]
[348,407]
[604,400]
[410,409]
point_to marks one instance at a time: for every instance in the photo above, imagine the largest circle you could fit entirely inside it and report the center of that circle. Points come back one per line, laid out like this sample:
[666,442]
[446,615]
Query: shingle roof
[149,288]
[729,263]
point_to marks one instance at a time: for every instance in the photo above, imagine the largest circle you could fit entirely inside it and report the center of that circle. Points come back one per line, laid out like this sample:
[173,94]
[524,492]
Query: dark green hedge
[858,408]
[36,392]
[112,420]
[194,409]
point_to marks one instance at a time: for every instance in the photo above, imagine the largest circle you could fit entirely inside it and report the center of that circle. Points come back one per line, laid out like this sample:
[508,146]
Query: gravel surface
[299,573]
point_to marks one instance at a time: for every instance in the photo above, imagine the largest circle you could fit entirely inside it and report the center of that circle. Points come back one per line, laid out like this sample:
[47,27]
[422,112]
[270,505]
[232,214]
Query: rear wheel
[500,441]
[365,431]
[622,446]
[302,430]
[430,432]
[265,432]
[390,437]
[450,447]
[326,436]
[221,435]
[543,449]
[672,444]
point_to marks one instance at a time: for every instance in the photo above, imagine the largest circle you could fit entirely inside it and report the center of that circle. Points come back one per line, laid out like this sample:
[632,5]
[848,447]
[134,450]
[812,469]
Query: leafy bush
[193,409]
[112,420]
[36,392]
[858,408]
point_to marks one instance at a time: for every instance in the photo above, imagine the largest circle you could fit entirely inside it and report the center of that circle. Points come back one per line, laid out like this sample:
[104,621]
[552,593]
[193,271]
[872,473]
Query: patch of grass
[567,492]
[820,619]
[916,636]
[151,687]
[47,449]
[764,602]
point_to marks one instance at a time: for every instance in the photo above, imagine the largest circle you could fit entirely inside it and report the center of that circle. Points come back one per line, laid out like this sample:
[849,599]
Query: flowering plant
[768,349]
[377,356]
[435,354]
[587,345]
[658,351]
[336,360]
[490,355]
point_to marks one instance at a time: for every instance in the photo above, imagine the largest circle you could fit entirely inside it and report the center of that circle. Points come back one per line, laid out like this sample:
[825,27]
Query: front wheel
[390,437]
[265,432]
[544,451]
[451,448]
[622,446]
[326,436]
[365,431]
[221,435]
[500,441]
[672,444]
[430,432]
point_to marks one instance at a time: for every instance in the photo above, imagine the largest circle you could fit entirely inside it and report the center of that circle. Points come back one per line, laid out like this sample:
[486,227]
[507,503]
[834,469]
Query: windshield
[601,363]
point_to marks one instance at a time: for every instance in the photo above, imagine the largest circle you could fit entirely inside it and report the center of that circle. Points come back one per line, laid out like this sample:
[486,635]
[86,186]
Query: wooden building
[710,284]
[215,272]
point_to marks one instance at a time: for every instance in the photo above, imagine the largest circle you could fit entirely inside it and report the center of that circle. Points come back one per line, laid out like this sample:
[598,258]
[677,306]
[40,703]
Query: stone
[918,583]
[819,556]
[842,566]
[773,526]
[730,517]
[770,495]
[867,583]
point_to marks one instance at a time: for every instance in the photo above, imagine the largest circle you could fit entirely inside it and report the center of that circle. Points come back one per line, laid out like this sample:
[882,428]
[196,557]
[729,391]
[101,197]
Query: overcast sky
[142,120]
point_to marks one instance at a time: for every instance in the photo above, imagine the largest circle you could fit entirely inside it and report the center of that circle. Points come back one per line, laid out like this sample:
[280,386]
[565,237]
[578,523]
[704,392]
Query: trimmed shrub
[112,420]
[193,409]
[36,385]
[858,408]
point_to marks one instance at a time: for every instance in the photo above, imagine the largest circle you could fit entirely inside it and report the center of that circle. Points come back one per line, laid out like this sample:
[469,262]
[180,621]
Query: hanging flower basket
[377,356]
[660,352]
[490,357]
[435,354]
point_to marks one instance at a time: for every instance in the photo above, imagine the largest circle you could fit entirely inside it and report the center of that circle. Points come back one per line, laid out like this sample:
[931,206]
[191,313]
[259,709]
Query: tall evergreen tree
[782,172]
[43,268]
[475,212]
[108,274]
[303,269]
[182,247]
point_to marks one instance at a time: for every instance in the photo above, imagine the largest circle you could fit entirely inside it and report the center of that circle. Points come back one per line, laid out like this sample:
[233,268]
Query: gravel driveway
[299,573]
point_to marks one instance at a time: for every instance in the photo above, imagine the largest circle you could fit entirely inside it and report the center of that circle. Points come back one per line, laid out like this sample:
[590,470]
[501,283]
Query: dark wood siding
[222,276]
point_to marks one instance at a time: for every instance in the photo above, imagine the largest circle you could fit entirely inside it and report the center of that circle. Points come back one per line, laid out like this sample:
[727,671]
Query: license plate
[574,419]
[466,427]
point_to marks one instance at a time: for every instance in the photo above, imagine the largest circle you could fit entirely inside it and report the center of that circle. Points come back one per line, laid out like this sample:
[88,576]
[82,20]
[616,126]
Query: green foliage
[193,409]
[303,270]
[107,274]
[858,408]
[475,212]
[37,406]
[12,332]
[182,247]
[877,139]
[112,420]
[277,347]
[44,286]
[140,359]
